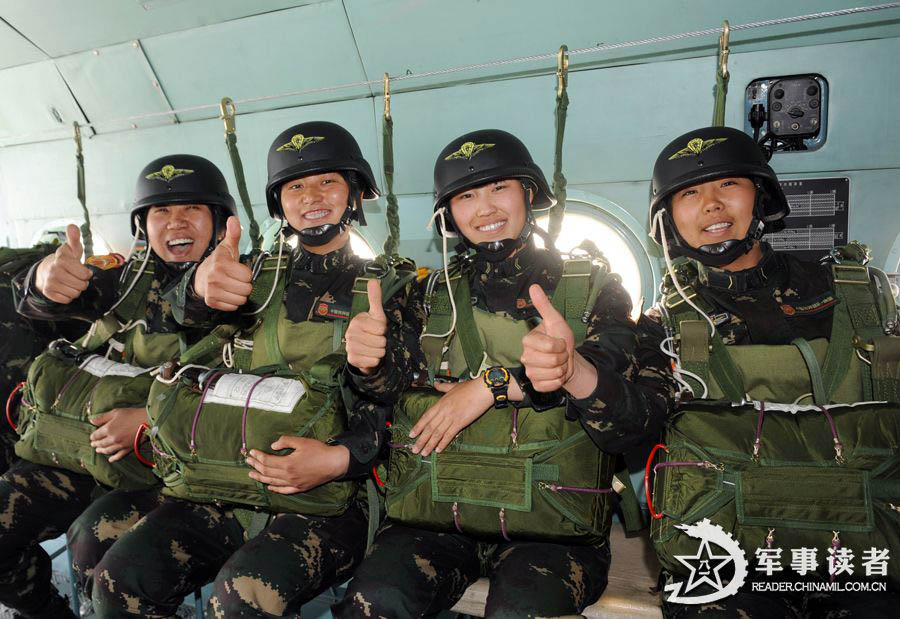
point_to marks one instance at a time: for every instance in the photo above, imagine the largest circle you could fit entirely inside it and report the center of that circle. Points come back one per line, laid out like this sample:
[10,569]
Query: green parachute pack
[71,383]
[283,379]
[513,473]
[794,446]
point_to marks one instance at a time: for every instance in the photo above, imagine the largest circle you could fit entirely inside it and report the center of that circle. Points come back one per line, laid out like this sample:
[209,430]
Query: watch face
[496,376]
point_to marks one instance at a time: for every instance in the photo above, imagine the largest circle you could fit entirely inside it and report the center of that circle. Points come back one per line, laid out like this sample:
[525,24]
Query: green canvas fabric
[507,466]
[793,480]
[213,468]
[796,485]
[61,396]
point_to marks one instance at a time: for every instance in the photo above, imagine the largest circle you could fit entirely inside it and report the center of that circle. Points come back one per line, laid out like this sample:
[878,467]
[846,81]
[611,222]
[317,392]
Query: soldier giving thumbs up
[549,356]
[367,333]
[222,281]
[61,277]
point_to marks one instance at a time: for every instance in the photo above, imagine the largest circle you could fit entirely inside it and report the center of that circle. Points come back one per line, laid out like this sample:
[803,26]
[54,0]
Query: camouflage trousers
[8,440]
[37,503]
[181,545]
[417,573]
[748,604]
[101,524]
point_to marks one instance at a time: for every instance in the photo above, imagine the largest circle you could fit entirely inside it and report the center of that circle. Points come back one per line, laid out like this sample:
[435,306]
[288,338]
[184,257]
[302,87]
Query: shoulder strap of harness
[701,353]
[581,283]
[131,305]
[865,320]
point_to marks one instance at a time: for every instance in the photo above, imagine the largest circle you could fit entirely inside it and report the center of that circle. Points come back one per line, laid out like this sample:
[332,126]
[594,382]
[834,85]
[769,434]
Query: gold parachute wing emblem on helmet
[299,142]
[696,146]
[167,173]
[468,150]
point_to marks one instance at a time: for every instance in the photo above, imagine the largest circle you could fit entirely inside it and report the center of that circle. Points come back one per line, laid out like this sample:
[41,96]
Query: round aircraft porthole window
[361,246]
[579,226]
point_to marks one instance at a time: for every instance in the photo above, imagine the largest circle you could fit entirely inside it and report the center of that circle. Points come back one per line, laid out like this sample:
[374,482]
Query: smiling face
[315,200]
[179,232]
[491,212]
[717,211]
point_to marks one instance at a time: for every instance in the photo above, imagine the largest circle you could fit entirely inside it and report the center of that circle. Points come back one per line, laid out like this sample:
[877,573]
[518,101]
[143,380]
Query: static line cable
[489,65]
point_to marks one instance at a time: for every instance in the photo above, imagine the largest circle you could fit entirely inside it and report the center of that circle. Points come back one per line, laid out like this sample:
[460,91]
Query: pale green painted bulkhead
[106,60]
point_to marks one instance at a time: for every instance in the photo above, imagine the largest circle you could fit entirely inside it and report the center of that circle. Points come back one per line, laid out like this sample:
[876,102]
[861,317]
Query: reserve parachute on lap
[794,445]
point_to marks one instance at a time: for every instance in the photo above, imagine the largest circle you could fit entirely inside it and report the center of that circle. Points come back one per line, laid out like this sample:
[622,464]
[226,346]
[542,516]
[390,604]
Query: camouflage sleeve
[404,359]
[90,306]
[635,389]
[188,309]
[365,437]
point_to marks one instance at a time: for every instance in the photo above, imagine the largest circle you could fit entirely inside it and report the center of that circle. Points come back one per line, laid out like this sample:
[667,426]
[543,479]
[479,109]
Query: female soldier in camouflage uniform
[713,196]
[317,181]
[180,200]
[615,384]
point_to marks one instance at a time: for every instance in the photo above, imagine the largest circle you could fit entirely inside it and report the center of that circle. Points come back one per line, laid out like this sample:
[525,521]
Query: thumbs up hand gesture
[548,350]
[367,333]
[61,277]
[221,280]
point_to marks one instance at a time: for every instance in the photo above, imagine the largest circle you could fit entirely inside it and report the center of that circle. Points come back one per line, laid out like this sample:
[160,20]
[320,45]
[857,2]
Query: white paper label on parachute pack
[100,367]
[279,395]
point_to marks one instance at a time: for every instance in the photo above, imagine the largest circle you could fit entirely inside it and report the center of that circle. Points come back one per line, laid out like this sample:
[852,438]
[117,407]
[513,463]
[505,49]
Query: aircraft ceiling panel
[42,107]
[299,49]
[61,27]
[16,49]
[116,82]
[406,36]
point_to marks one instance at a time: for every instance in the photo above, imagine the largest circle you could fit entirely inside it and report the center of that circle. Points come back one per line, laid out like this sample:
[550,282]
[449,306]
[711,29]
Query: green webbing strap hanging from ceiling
[722,76]
[562,105]
[393,210]
[86,238]
[227,108]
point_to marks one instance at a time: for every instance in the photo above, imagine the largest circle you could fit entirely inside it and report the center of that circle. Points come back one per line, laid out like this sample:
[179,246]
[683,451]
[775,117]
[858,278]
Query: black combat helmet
[313,148]
[483,156]
[183,179]
[704,155]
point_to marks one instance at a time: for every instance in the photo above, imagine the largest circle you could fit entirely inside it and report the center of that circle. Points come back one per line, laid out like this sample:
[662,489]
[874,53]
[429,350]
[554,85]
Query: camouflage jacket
[777,301]
[23,339]
[634,389]
[104,290]
[319,289]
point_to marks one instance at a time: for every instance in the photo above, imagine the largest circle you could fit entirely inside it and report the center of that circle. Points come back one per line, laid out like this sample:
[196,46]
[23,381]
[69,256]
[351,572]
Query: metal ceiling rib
[15,49]
[323,44]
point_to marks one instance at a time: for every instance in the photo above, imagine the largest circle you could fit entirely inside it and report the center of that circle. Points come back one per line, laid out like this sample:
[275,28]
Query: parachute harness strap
[79,163]
[392,212]
[559,180]
[227,112]
[439,213]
